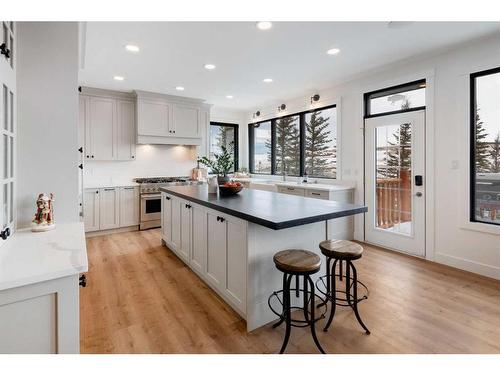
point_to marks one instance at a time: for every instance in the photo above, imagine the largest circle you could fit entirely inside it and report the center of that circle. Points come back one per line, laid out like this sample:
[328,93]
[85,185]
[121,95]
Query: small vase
[222,179]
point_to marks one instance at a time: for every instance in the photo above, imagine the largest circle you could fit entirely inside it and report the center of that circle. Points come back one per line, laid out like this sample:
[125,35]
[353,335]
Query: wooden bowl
[226,191]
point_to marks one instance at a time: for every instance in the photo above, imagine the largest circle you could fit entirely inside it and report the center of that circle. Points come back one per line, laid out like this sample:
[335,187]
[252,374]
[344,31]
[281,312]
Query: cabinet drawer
[318,194]
[291,190]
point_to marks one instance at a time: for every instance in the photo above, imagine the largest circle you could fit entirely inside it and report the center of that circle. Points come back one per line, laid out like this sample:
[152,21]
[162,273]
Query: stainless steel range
[150,195]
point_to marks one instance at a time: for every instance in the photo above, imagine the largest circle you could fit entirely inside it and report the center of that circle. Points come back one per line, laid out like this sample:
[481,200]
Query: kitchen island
[230,241]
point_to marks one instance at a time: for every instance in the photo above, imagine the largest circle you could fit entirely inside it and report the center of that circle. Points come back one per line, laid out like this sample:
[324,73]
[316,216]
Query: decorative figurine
[44,217]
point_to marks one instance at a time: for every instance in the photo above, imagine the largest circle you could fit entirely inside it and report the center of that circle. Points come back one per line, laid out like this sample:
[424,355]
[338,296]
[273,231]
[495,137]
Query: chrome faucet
[283,174]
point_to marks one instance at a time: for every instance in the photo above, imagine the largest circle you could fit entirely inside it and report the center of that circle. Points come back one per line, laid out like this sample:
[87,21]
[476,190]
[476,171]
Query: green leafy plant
[221,163]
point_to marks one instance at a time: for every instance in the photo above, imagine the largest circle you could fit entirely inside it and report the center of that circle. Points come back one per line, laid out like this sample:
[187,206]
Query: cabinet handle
[290,188]
[133,157]
[5,233]
[97,191]
[88,156]
[80,166]
[80,150]
[315,194]
[221,219]
[187,205]
[129,188]
[113,189]
[167,198]
[83,281]
[92,156]
[4,50]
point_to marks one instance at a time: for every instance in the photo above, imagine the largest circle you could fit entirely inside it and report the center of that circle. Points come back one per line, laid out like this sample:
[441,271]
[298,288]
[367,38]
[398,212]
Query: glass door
[394,165]
[7,131]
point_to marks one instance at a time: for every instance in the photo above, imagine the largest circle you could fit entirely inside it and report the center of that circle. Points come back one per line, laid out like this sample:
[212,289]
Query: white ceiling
[292,53]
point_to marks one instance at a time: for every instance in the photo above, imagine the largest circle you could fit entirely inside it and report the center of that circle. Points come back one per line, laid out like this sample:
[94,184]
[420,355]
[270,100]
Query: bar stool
[339,251]
[297,263]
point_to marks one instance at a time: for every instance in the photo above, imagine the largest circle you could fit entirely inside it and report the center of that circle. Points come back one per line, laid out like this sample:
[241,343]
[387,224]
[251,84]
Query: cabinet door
[91,209]
[185,244]
[129,206]
[236,262]
[102,128]
[216,251]
[153,118]
[125,113]
[199,229]
[176,224]
[83,126]
[185,121]
[109,208]
[166,217]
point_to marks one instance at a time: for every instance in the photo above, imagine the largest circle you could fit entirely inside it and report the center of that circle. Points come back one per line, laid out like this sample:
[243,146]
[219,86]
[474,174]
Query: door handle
[419,181]
[419,194]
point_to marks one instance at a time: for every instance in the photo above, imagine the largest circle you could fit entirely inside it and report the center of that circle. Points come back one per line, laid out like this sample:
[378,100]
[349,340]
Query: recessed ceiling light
[118,78]
[210,66]
[229,96]
[179,88]
[264,25]
[267,80]
[132,48]
[333,51]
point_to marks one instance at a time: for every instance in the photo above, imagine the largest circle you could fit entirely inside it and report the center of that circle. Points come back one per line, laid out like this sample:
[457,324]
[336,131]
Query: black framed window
[396,99]
[295,144]
[224,134]
[485,146]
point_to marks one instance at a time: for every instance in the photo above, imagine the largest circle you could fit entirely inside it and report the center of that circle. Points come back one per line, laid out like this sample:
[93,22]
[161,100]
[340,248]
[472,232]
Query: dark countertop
[266,208]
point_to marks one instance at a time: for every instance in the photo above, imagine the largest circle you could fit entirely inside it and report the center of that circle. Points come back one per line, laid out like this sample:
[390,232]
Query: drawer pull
[129,188]
[113,189]
[290,188]
[315,193]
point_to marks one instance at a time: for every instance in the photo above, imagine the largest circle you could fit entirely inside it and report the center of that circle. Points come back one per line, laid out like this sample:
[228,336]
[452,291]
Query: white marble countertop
[30,257]
[310,185]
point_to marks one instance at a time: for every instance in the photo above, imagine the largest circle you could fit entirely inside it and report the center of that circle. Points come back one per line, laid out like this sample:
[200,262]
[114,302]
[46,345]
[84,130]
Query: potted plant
[221,163]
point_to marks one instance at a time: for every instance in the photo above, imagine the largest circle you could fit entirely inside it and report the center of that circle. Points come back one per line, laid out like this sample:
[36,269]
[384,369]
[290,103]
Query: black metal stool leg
[348,282]
[306,300]
[355,297]
[287,311]
[282,317]
[307,279]
[328,263]
[341,273]
[332,295]
[297,286]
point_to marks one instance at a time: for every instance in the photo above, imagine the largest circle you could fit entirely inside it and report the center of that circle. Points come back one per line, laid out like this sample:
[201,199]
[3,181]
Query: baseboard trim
[468,265]
[112,231]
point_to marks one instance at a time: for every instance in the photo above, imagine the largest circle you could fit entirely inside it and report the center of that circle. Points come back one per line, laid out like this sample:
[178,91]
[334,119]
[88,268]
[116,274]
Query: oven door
[150,207]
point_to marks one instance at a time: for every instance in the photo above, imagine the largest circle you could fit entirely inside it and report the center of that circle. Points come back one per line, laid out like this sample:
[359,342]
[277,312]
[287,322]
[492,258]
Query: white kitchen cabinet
[168,119]
[166,217]
[129,206]
[107,119]
[109,208]
[236,265]
[153,118]
[125,116]
[184,249]
[198,259]
[101,129]
[291,190]
[185,121]
[216,250]
[91,209]
[175,240]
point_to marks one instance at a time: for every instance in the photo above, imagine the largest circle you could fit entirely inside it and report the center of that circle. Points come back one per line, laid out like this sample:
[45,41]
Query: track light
[281,107]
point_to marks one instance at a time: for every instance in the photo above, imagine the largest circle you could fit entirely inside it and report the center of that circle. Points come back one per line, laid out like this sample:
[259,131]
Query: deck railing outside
[393,200]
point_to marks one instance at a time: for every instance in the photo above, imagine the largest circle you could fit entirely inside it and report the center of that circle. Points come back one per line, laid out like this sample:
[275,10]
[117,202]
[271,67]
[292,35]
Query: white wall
[450,238]
[47,107]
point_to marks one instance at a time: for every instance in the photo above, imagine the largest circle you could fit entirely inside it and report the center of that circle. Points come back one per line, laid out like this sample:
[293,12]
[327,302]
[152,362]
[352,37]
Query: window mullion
[273,146]
[302,135]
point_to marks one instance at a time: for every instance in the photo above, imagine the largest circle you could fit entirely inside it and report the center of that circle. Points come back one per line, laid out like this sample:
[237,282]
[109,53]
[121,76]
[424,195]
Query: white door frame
[412,243]
[428,75]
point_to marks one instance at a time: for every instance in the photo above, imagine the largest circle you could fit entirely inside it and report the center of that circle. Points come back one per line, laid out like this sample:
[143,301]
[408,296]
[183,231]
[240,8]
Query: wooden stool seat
[297,261]
[341,249]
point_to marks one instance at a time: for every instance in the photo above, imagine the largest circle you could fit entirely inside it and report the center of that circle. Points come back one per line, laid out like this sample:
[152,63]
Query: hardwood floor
[141,299]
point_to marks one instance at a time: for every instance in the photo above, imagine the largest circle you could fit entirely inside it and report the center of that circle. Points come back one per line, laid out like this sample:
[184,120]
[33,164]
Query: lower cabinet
[110,208]
[213,244]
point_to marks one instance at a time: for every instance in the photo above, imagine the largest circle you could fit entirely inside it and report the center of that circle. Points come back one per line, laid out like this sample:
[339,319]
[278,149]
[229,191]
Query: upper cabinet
[167,119]
[107,123]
